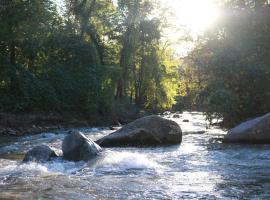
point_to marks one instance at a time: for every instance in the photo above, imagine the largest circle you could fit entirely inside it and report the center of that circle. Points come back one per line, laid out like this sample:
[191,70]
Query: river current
[200,168]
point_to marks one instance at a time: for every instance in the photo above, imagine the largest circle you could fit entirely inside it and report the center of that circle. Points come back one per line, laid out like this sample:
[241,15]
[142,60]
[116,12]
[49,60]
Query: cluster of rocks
[147,131]
[75,147]
[24,130]
[21,124]
[8,131]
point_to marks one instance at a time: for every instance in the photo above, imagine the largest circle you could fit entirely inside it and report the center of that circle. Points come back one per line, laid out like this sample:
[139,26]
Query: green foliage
[61,74]
[97,58]
[27,92]
[232,61]
[77,60]
[144,77]
[217,102]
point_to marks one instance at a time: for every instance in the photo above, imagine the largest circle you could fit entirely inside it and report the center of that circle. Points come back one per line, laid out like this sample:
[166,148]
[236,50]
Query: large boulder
[77,147]
[147,131]
[40,153]
[255,131]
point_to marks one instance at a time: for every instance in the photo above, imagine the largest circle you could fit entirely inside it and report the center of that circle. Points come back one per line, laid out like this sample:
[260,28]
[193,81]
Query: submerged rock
[77,147]
[253,131]
[40,153]
[114,128]
[147,131]
[176,116]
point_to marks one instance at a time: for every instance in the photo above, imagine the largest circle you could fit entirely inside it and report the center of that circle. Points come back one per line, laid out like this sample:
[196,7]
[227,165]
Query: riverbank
[12,124]
[31,123]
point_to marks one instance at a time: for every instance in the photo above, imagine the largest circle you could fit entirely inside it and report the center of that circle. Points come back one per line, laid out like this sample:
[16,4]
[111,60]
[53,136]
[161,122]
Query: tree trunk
[139,100]
[12,58]
[97,42]
[124,64]
[119,90]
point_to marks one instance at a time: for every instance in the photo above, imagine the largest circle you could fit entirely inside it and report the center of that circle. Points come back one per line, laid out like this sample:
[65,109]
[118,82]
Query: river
[200,168]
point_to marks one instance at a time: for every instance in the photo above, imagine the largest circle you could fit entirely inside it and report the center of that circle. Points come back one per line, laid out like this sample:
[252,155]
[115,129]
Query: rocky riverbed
[200,168]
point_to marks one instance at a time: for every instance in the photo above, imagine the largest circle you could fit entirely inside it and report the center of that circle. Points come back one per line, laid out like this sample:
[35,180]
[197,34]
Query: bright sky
[195,16]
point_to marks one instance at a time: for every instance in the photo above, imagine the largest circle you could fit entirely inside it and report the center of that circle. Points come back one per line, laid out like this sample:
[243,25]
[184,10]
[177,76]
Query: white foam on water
[95,129]
[27,169]
[110,162]
[8,167]
[64,167]
[126,160]
[194,122]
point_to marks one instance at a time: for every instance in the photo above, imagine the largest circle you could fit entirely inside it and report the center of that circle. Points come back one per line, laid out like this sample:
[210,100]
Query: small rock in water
[114,128]
[185,120]
[195,132]
[40,153]
[176,116]
[216,140]
[77,147]
[11,131]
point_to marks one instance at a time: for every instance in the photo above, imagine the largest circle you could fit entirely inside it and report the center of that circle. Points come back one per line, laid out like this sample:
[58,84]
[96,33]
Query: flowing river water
[200,168]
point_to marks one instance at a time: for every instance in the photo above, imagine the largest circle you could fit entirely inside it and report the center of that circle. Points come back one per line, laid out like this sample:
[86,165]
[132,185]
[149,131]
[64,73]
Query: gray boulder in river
[147,131]
[40,153]
[77,147]
[255,131]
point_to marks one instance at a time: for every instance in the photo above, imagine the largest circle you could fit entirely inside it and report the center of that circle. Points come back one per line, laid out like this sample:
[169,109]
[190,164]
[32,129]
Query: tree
[80,59]
[234,61]
[91,15]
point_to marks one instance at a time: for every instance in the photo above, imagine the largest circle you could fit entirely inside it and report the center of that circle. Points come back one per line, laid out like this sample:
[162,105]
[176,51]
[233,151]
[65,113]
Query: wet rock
[185,120]
[194,132]
[176,116]
[40,153]
[147,131]
[114,128]
[77,147]
[11,131]
[199,132]
[2,131]
[216,140]
[252,131]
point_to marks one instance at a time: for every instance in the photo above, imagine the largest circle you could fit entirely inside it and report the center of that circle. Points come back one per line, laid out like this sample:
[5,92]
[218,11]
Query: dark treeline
[99,58]
[91,57]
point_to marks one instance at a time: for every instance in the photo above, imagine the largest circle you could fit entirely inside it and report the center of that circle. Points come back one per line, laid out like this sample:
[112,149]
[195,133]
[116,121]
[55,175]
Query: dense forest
[104,58]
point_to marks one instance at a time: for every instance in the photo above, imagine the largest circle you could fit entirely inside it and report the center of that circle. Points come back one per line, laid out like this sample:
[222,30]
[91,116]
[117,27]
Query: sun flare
[196,15]
[190,18]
